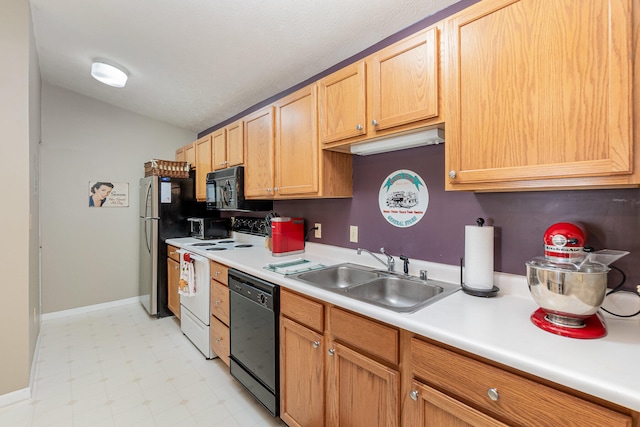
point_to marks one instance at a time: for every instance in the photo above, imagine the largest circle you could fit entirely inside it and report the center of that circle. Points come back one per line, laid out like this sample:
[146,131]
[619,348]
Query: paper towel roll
[478,257]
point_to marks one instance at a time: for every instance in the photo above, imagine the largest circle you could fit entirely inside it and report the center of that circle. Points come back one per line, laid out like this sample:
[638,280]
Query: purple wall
[612,217]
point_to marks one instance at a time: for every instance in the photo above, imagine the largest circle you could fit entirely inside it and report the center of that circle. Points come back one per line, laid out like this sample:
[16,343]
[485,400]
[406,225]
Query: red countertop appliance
[287,236]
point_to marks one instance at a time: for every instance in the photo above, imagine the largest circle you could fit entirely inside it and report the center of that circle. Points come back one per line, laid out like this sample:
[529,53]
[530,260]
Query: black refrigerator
[165,205]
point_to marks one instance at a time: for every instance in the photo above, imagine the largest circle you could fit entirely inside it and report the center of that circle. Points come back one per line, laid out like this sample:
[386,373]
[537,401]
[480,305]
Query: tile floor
[121,367]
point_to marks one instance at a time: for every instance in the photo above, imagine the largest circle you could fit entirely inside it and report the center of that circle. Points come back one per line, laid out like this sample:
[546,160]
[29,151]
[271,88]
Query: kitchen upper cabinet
[539,95]
[203,166]
[187,154]
[404,80]
[296,144]
[395,90]
[283,159]
[481,394]
[342,103]
[173,279]
[259,146]
[228,146]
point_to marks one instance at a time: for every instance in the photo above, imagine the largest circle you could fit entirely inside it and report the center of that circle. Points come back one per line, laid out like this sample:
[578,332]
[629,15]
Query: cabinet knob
[452,174]
[276,189]
[358,127]
[374,122]
[217,273]
[217,302]
[268,189]
[316,344]
[414,394]
[493,394]
[218,339]
[332,352]
[175,267]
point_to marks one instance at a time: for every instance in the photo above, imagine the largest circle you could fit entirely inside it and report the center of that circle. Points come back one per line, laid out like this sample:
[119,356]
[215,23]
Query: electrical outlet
[353,233]
[318,234]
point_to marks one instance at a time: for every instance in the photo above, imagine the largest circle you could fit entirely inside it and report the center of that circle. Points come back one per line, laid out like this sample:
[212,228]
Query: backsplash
[612,217]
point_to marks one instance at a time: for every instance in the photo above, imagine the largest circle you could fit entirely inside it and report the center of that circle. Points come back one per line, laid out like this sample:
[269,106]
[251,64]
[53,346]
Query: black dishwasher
[254,306]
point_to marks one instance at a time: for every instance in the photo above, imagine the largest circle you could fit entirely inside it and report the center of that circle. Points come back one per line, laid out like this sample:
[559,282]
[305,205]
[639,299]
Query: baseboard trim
[89,308]
[15,397]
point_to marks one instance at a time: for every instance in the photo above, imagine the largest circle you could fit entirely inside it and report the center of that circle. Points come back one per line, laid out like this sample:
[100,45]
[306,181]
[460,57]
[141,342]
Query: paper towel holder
[486,293]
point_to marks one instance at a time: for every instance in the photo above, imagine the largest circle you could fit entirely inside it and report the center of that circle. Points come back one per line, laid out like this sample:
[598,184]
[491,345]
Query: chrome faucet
[390,264]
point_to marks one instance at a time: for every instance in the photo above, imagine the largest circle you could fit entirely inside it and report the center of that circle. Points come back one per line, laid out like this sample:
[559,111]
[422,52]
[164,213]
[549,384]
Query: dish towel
[187,284]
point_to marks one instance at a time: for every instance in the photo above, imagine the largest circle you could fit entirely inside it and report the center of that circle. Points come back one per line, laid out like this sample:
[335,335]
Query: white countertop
[496,328]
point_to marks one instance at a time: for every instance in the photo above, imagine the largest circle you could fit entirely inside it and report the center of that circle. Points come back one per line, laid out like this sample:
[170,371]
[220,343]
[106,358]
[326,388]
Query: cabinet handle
[452,174]
[172,253]
[217,302]
[218,339]
[316,344]
[332,352]
[493,394]
[175,267]
[414,394]
[374,122]
[358,127]
[217,273]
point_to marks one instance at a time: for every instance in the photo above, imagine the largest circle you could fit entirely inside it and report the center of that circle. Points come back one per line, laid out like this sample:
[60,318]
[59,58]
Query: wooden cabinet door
[173,277]
[360,391]
[538,90]
[302,401]
[190,154]
[428,407]
[342,104]
[219,144]
[235,143]
[180,155]
[203,166]
[405,81]
[259,159]
[296,147]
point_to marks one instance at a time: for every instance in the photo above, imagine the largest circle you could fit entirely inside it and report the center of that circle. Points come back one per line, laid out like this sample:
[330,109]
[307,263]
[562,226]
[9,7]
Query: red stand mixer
[569,283]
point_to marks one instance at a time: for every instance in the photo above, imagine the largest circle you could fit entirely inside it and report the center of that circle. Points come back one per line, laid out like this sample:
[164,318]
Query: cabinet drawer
[364,334]
[220,339]
[303,310]
[172,252]
[220,301]
[219,272]
[519,400]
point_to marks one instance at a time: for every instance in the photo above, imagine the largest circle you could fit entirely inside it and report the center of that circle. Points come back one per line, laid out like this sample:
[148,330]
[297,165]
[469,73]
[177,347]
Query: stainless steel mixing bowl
[567,290]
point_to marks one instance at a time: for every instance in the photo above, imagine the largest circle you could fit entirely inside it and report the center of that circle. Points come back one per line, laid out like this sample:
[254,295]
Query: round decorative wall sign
[403,198]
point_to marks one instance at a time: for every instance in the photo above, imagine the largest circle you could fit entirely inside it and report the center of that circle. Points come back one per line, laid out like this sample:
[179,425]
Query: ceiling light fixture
[411,140]
[108,73]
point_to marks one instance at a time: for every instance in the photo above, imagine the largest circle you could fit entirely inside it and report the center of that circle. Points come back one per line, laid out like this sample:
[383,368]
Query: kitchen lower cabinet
[173,279]
[302,391]
[361,391]
[432,408]
[539,95]
[357,360]
[450,385]
[219,322]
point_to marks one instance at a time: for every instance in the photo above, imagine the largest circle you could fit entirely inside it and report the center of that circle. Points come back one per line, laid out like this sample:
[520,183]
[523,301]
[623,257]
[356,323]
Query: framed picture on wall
[107,194]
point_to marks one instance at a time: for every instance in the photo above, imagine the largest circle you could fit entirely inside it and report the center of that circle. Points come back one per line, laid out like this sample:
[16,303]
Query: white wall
[19,98]
[90,255]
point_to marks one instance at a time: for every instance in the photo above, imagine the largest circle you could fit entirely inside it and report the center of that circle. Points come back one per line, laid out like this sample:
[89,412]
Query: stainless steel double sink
[393,291]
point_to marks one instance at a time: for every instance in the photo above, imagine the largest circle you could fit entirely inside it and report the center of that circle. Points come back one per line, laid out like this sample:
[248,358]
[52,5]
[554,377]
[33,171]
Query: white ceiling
[196,63]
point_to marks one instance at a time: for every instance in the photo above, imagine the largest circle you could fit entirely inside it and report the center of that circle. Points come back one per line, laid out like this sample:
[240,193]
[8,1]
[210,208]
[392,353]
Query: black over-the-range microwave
[225,192]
